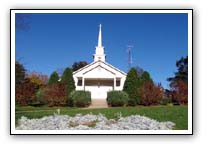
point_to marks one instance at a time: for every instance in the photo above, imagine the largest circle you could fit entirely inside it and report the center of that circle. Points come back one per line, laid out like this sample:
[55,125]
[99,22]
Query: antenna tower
[129,56]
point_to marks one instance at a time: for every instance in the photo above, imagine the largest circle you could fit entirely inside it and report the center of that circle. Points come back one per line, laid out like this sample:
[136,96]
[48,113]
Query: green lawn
[176,114]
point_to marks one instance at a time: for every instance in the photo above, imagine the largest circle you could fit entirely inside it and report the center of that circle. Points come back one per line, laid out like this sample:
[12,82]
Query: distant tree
[179,83]
[131,85]
[182,73]
[19,73]
[53,78]
[179,91]
[67,78]
[78,65]
[25,93]
[150,94]
[37,78]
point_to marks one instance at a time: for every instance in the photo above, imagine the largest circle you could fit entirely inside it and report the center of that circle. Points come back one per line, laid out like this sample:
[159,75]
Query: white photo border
[13,131]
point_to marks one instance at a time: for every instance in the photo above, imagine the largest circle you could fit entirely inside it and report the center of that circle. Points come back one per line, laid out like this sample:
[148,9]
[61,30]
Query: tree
[55,95]
[78,65]
[131,85]
[25,93]
[53,78]
[37,78]
[150,94]
[19,73]
[67,78]
[145,77]
[179,92]
[182,73]
[179,83]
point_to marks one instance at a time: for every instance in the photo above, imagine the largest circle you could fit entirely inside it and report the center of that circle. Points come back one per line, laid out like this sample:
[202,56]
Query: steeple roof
[99,51]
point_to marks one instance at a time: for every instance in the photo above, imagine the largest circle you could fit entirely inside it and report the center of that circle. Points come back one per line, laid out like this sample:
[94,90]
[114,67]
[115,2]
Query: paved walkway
[98,103]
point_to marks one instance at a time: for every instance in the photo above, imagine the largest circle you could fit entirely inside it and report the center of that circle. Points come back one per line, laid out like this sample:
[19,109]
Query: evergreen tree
[67,78]
[182,73]
[78,65]
[53,78]
[145,77]
[131,85]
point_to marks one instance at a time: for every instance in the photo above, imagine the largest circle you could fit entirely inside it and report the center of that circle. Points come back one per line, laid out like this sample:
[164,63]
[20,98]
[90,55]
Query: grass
[176,114]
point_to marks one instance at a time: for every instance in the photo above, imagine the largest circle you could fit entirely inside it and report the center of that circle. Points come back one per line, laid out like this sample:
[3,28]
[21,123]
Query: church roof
[99,61]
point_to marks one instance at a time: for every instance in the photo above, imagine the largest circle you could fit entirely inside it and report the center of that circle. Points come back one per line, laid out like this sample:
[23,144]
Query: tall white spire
[99,52]
[100,37]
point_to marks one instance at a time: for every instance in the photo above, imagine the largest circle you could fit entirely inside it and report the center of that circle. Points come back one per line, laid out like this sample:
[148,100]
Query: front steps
[98,103]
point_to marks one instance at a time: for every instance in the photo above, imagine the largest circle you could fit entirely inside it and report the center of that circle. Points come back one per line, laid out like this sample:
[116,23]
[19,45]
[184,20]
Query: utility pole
[130,61]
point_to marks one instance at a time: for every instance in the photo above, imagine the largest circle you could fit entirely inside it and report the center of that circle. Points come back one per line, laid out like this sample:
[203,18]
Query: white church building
[99,77]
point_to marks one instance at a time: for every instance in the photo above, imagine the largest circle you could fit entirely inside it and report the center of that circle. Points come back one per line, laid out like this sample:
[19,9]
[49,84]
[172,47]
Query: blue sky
[56,41]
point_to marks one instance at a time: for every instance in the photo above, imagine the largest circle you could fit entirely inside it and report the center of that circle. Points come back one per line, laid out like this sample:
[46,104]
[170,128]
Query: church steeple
[100,37]
[99,52]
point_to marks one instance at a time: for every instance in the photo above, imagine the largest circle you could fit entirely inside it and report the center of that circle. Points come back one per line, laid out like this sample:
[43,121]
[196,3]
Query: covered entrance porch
[98,86]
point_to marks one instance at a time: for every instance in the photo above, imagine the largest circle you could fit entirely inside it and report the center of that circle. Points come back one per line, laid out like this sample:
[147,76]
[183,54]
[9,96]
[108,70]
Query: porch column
[114,83]
[83,83]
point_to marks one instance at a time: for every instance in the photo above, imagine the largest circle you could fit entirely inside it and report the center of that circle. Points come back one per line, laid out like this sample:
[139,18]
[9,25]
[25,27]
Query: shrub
[132,102]
[55,95]
[117,98]
[150,93]
[79,98]
[165,100]
[39,100]
[25,93]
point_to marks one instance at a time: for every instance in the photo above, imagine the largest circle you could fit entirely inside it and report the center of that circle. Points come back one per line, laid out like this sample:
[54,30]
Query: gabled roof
[109,65]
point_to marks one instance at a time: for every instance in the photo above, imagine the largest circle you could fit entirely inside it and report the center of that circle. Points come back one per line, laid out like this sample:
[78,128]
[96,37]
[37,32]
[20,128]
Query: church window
[79,83]
[117,82]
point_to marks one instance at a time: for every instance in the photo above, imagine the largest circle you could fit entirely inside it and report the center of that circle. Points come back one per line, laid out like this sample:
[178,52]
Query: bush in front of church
[79,99]
[117,98]
[55,95]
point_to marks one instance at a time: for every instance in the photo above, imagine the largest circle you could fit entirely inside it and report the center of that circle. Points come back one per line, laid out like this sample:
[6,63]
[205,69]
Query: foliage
[24,93]
[55,95]
[19,73]
[117,98]
[77,65]
[179,83]
[165,100]
[37,78]
[182,74]
[79,98]
[145,77]
[68,80]
[179,92]
[131,102]
[53,78]
[150,93]
[131,85]
[40,96]
[176,114]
